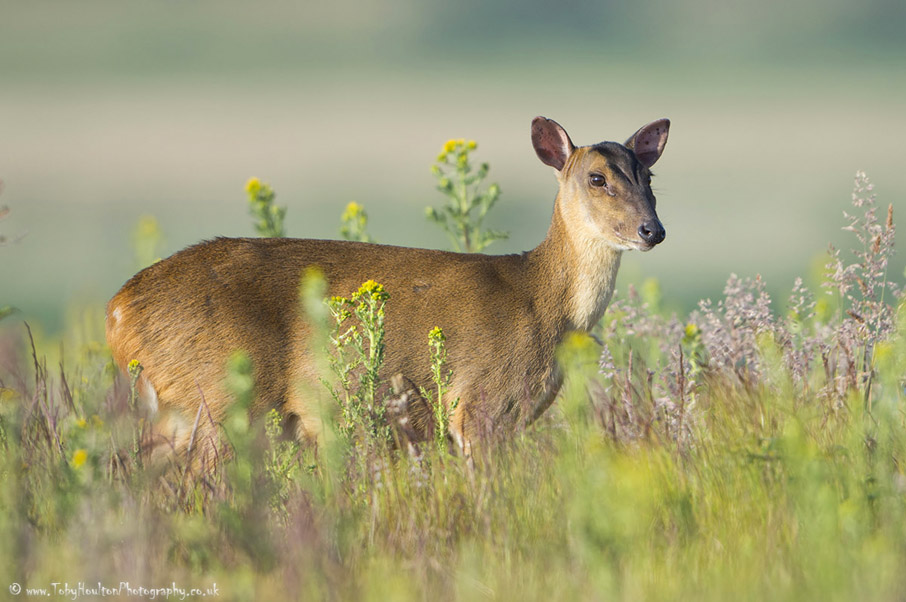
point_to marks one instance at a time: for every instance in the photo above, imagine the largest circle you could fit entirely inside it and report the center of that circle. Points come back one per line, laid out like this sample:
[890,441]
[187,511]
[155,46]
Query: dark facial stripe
[621,158]
[619,170]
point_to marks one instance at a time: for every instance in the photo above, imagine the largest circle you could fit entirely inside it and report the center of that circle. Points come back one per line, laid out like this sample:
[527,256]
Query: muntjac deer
[503,316]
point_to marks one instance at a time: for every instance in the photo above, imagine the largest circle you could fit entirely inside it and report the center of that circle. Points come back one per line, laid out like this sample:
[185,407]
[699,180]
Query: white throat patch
[594,276]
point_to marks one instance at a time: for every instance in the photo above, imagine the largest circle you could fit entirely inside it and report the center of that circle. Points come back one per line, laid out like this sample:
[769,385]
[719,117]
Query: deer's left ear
[648,143]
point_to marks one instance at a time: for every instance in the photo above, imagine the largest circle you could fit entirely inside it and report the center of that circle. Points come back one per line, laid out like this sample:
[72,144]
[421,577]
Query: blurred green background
[113,110]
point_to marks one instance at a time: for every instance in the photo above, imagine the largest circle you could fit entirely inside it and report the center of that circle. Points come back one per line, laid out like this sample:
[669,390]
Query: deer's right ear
[551,142]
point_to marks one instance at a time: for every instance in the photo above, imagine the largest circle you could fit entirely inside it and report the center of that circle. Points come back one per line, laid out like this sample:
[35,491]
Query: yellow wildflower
[352,211]
[135,369]
[472,145]
[449,146]
[691,330]
[81,423]
[436,334]
[253,186]
[372,288]
[79,458]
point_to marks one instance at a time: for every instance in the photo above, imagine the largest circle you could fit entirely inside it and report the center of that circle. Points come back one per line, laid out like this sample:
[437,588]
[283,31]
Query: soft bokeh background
[114,110]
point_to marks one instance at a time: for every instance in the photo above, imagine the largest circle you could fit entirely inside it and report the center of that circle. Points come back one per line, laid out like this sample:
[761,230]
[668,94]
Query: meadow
[720,437]
[750,449]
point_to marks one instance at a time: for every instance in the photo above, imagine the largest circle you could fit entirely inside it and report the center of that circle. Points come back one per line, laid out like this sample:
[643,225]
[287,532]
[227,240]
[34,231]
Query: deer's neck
[574,274]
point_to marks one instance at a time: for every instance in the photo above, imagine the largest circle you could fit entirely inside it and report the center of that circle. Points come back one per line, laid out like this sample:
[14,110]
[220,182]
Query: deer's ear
[648,143]
[551,142]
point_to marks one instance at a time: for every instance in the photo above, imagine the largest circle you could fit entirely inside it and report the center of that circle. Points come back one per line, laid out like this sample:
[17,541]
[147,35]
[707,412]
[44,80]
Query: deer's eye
[597,180]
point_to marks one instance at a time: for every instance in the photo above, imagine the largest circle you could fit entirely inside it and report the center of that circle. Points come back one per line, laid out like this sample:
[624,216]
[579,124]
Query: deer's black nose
[652,232]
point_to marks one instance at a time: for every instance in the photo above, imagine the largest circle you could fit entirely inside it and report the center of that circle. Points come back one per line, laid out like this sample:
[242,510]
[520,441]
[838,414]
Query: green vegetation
[356,354]
[442,413]
[268,216]
[739,453]
[467,205]
[354,223]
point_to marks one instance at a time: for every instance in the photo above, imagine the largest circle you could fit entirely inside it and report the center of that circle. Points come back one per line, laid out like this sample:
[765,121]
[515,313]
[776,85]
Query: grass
[744,452]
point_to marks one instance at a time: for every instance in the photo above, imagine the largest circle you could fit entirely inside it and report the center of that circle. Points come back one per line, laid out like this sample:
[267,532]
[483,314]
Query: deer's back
[183,317]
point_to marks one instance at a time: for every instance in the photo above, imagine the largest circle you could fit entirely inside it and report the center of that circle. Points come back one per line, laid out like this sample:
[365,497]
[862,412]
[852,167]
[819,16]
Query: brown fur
[503,316]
